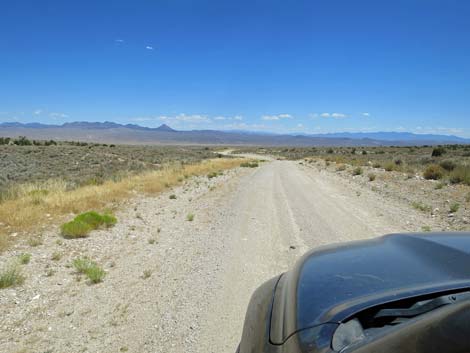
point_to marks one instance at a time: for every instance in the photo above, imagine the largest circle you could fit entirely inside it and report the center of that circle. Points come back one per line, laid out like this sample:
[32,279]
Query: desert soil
[249,225]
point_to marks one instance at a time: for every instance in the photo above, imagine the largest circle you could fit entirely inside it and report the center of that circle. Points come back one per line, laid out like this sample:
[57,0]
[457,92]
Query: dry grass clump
[460,174]
[357,171]
[89,268]
[24,211]
[24,258]
[421,206]
[249,164]
[433,172]
[84,223]
[11,276]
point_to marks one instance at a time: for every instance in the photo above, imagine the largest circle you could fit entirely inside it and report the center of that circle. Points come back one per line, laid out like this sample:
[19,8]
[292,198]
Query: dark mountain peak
[165,127]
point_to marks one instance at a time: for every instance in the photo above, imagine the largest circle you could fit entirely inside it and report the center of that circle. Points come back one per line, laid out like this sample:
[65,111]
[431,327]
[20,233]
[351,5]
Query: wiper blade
[422,307]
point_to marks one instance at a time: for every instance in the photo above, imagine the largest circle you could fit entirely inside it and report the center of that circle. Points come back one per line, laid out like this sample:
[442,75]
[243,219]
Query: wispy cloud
[58,115]
[119,40]
[37,112]
[149,47]
[225,118]
[366,115]
[244,126]
[277,117]
[439,130]
[195,118]
[329,115]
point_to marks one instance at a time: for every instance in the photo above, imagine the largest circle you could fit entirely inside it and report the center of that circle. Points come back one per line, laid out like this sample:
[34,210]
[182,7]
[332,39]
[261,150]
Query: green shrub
[11,276]
[340,168]
[376,165]
[172,197]
[75,229]
[95,274]
[190,217]
[95,220]
[372,176]
[84,223]
[212,175]
[460,174]
[433,172]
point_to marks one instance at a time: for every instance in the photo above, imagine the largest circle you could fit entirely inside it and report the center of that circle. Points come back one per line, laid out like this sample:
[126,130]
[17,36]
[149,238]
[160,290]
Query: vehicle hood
[330,284]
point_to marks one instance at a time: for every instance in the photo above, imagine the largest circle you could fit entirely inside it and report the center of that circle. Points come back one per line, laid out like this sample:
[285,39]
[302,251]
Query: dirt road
[250,225]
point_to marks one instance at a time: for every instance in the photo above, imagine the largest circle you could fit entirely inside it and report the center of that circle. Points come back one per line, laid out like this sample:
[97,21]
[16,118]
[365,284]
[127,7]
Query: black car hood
[333,283]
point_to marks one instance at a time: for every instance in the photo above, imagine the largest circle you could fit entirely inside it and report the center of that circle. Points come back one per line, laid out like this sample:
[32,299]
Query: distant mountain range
[110,132]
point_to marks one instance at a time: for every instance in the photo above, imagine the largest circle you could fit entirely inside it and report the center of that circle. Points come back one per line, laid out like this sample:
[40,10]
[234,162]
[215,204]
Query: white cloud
[300,126]
[270,117]
[238,117]
[366,115]
[196,118]
[244,126]
[37,112]
[440,130]
[277,117]
[58,115]
[119,40]
[220,118]
[149,47]
[330,115]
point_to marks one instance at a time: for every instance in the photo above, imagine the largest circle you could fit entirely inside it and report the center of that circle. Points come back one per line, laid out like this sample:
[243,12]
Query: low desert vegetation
[421,206]
[433,172]
[454,207]
[190,217]
[24,258]
[172,197]
[84,223]
[450,163]
[23,161]
[89,268]
[11,276]
[371,176]
[357,171]
[56,256]
[146,274]
[24,211]
[249,164]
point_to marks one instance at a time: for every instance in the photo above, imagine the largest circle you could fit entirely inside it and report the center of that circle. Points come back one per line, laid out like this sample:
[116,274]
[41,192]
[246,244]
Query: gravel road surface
[249,225]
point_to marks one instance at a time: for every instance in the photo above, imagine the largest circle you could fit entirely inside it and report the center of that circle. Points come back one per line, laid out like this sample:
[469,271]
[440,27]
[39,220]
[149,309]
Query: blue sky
[282,66]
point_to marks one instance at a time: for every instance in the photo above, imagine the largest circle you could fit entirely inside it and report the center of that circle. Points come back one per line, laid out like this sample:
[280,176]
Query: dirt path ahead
[250,225]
